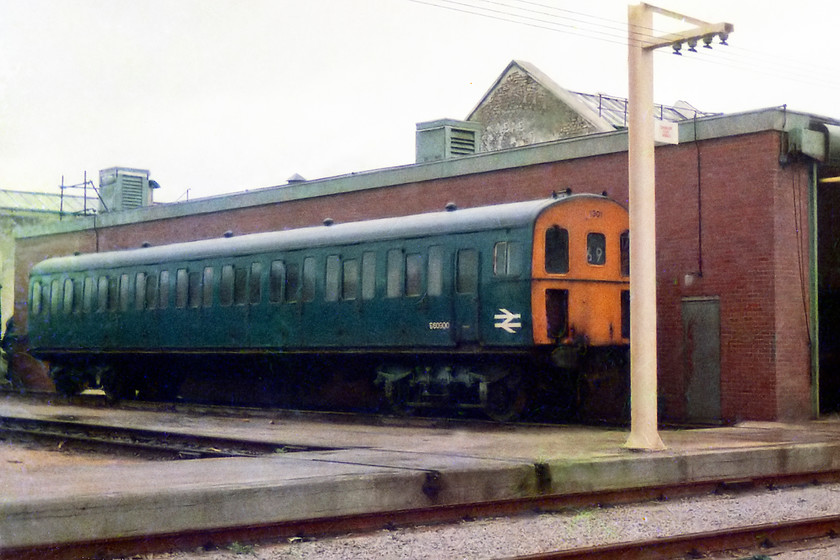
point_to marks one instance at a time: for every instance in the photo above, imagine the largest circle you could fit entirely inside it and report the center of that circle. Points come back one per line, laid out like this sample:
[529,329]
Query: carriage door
[466,296]
[701,347]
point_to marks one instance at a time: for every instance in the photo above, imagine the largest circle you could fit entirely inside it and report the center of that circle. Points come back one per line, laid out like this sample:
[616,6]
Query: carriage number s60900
[439,326]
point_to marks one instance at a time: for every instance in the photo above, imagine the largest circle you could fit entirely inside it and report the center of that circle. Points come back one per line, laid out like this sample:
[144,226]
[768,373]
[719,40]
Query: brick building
[745,214]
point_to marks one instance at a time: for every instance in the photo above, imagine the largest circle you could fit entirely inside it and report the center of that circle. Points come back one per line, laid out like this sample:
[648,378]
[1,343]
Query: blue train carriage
[455,308]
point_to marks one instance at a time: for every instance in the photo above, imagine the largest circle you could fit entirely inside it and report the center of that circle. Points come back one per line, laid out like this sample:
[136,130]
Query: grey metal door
[701,347]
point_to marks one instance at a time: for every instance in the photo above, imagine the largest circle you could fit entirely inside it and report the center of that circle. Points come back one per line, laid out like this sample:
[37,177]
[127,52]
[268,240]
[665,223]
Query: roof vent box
[123,188]
[447,138]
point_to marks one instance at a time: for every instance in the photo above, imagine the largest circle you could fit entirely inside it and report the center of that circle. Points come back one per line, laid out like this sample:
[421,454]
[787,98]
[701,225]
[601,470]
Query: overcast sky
[219,96]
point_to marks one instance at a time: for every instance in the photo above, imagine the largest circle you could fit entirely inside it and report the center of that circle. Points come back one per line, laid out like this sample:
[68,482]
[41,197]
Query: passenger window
[181,288]
[624,242]
[55,297]
[394,286]
[124,292]
[507,259]
[276,279]
[45,297]
[113,293]
[88,294]
[77,295]
[596,248]
[140,291]
[331,288]
[466,281]
[413,275]
[151,291]
[255,284]
[556,250]
[240,286]
[102,294]
[164,289]
[435,274]
[350,280]
[310,275]
[226,286]
[292,282]
[68,295]
[368,275]
[36,298]
[194,294]
[207,287]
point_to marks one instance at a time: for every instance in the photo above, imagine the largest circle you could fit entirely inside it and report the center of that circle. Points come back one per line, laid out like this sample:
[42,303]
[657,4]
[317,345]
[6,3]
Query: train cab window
[368,275]
[276,279]
[102,294]
[350,279]
[151,291]
[507,259]
[331,287]
[557,250]
[624,244]
[255,284]
[140,291]
[434,280]
[310,275]
[413,275]
[163,290]
[35,298]
[292,282]
[395,285]
[466,281]
[226,286]
[596,248]
[88,294]
[207,286]
[69,292]
[181,288]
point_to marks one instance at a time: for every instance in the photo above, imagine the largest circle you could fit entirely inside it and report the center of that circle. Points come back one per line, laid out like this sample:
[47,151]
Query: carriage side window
[624,244]
[102,294]
[395,284]
[292,282]
[255,285]
[164,289]
[557,250]
[350,279]
[194,292]
[36,298]
[435,273]
[331,287]
[69,292]
[181,288]
[113,292]
[240,286]
[413,275]
[596,248]
[207,287]
[226,286]
[466,281]
[77,295]
[88,294]
[124,292]
[276,278]
[45,297]
[55,296]
[310,275]
[151,291]
[507,258]
[140,291]
[369,275]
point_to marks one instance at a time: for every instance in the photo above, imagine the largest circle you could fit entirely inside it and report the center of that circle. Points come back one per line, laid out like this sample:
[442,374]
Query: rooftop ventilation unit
[122,188]
[446,138]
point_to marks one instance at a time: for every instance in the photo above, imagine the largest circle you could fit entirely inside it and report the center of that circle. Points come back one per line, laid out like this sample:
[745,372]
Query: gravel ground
[520,535]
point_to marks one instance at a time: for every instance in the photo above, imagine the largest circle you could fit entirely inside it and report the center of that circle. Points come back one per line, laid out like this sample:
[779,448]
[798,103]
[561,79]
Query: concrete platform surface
[367,469]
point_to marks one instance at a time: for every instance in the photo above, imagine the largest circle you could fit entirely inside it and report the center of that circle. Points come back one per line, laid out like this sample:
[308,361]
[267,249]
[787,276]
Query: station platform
[367,469]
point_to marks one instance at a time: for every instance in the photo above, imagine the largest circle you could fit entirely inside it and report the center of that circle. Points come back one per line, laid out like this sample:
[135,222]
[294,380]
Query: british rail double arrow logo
[508,321]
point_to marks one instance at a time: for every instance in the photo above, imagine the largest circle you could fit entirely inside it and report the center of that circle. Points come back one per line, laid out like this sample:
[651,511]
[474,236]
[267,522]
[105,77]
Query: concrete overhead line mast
[640,44]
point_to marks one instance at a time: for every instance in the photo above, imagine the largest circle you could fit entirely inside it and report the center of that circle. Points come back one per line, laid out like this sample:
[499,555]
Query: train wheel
[504,398]
[395,381]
